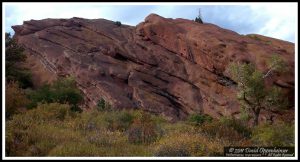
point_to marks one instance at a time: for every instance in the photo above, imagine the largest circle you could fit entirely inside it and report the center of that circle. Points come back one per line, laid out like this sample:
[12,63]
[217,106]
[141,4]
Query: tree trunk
[256,117]
[255,122]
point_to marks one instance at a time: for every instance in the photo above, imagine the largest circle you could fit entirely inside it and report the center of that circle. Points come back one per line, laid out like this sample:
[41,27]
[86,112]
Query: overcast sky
[277,20]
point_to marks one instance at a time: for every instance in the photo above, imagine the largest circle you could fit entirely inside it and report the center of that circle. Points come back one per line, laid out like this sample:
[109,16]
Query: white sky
[278,20]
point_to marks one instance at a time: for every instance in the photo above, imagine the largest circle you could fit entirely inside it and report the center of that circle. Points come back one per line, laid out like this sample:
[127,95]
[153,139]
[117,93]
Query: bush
[43,113]
[143,129]
[120,120]
[254,37]
[15,99]
[102,105]
[62,91]
[89,121]
[198,20]
[21,75]
[278,134]
[238,125]
[37,131]
[198,119]
[44,137]
[187,144]
[53,112]
[118,23]
[54,130]
[216,129]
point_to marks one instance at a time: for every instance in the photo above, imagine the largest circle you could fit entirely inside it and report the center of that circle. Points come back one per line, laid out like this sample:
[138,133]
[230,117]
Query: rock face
[172,67]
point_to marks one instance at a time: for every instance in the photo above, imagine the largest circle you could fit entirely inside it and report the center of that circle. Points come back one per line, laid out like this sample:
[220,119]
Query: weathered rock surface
[165,66]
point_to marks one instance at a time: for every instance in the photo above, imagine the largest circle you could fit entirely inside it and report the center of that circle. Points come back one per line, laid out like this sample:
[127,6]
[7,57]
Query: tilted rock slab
[172,67]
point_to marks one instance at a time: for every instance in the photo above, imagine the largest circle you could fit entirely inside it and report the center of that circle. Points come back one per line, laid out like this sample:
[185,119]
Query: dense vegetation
[62,91]
[198,19]
[52,129]
[253,94]
[118,23]
[13,57]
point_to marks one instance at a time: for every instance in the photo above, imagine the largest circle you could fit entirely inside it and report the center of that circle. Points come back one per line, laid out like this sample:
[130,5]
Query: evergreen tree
[14,54]
[253,94]
[199,18]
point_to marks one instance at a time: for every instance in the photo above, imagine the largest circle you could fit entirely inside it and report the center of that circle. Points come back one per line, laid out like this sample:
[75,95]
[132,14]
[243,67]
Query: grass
[267,42]
[54,130]
[254,37]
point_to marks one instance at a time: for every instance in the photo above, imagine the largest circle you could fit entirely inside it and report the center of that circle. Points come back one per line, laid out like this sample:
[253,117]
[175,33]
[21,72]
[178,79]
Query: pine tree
[199,18]
[253,94]
[14,54]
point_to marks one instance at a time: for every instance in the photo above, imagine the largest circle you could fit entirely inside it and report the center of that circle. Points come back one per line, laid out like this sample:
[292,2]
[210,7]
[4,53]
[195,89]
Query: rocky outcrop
[172,67]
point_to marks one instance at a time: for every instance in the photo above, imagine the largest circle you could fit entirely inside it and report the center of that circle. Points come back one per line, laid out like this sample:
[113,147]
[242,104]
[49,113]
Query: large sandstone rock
[172,67]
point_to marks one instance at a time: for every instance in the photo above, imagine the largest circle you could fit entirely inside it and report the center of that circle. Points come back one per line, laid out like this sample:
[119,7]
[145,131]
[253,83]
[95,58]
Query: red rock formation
[172,67]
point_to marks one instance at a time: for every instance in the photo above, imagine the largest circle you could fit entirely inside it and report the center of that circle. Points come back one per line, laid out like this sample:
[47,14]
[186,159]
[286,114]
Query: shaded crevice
[120,57]
[172,99]
[165,81]
[184,80]
[283,86]
[190,53]
[142,47]
[155,76]
[152,85]
[226,81]
[222,79]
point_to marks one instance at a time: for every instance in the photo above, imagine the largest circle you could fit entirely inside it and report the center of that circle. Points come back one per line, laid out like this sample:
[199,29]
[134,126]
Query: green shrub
[14,55]
[278,134]
[198,119]
[22,75]
[118,23]
[198,20]
[102,105]
[62,91]
[41,95]
[50,112]
[120,120]
[89,121]
[254,37]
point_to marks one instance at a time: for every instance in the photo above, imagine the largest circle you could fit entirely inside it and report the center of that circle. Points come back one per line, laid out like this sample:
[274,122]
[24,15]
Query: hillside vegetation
[55,129]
